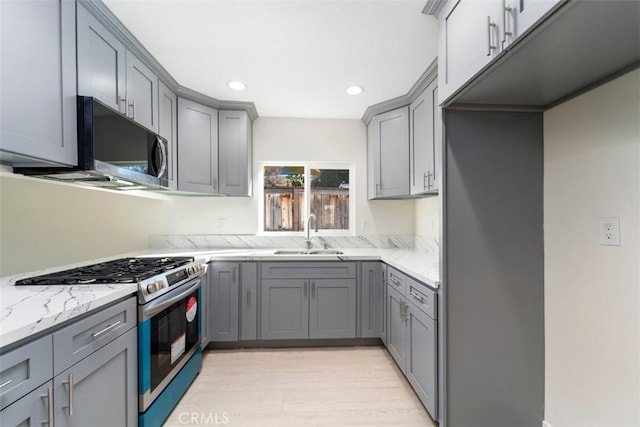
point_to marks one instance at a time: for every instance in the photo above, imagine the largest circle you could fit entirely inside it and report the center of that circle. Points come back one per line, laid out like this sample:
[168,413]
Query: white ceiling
[296,57]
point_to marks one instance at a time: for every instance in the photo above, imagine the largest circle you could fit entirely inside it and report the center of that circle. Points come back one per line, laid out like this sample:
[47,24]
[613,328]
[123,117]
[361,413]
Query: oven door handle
[157,306]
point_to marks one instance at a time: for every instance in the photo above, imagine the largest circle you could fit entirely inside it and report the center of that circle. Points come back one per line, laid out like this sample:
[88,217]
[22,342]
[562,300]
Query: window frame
[351,231]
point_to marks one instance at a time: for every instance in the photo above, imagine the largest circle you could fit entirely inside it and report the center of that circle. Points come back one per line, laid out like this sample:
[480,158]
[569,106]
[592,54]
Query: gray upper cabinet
[332,311]
[469,38]
[424,140]
[168,129]
[100,389]
[249,301]
[520,15]
[101,63]
[388,154]
[142,93]
[197,147]
[38,81]
[235,152]
[223,301]
[285,309]
[371,300]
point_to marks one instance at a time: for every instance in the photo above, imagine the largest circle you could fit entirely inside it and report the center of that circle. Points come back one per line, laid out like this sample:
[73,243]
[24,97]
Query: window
[292,192]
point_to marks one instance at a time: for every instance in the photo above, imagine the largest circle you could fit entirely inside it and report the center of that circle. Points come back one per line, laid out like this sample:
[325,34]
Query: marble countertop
[27,310]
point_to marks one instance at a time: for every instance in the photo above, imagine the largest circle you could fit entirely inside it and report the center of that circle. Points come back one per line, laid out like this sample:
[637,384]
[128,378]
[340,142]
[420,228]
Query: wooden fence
[283,208]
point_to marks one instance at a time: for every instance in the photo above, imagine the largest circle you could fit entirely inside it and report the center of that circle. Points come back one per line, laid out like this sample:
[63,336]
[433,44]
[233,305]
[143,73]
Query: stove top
[124,270]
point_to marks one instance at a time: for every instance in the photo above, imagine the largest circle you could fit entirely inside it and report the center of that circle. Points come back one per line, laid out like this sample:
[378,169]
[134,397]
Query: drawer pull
[109,327]
[6,383]
[395,281]
[70,391]
[49,399]
[416,296]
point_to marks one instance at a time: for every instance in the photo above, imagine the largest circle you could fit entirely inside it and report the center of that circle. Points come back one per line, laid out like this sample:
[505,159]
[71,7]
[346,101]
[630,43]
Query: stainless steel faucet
[315,221]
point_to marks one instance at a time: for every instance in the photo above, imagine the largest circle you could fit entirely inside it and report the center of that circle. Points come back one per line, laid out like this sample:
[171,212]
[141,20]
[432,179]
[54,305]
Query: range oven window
[174,332]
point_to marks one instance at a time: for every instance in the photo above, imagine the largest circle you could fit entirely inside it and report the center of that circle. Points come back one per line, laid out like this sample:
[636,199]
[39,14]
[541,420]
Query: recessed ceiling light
[354,90]
[236,85]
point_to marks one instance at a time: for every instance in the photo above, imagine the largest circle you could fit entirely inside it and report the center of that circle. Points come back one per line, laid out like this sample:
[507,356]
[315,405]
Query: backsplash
[215,241]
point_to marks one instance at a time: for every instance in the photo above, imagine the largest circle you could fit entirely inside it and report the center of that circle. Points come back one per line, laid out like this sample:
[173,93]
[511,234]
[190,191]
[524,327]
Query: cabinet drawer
[397,280]
[422,297]
[30,410]
[80,339]
[24,369]
[309,270]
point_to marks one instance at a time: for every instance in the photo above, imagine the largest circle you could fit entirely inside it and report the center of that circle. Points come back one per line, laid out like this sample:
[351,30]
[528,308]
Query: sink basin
[325,252]
[291,252]
[311,252]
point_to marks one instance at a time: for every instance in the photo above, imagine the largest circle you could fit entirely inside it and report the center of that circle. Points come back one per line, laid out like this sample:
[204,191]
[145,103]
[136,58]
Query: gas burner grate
[124,270]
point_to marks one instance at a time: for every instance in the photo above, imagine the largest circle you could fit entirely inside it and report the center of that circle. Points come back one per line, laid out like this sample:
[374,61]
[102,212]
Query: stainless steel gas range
[169,323]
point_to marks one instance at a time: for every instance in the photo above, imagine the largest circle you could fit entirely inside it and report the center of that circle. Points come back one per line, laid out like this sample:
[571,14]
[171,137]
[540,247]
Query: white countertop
[26,310]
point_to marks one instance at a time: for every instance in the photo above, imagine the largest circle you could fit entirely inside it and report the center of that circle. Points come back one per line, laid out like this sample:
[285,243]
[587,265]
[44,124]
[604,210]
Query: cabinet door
[332,308]
[249,301]
[142,93]
[371,301]
[284,309]
[421,138]
[396,327]
[373,158]
[393,131]
[168,129]
[421,357]
[102,389]
[437,140]
[469,37]
[31,410]
[223,301]
[234,148]
[101,63]
[520,15]
[38,81]
[197,147]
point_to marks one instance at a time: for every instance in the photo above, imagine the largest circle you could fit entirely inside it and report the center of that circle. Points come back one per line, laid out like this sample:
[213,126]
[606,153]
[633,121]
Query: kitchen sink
[309,252]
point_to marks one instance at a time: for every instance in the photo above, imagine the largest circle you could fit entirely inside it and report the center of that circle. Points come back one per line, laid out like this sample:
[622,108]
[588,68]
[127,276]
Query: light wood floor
[358,386]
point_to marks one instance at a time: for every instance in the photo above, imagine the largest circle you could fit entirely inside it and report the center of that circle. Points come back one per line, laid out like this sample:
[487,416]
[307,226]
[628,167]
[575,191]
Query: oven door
[168,335]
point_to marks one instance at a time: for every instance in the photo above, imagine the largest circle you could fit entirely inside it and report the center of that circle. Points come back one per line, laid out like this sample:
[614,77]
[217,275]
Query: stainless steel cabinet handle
[401,309]
[70,390]
[49,398]
[395,281]
[6,383]
[416,296]
[506,13]
[108,328]
[490,26]
[123,105]
[313,289]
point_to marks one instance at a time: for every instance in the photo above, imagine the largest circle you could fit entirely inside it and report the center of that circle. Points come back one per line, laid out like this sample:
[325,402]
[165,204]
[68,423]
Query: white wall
[45,224]
[592,292]
[427,217]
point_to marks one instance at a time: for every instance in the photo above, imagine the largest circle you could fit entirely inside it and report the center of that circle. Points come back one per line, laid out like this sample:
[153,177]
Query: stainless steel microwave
[113,152]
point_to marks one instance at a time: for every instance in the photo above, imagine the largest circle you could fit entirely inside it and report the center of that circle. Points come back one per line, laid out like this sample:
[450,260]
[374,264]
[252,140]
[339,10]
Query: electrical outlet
[610,231]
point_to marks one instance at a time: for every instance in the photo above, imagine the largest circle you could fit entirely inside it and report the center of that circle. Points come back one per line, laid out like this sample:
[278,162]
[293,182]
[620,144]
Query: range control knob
[190,270]
[152,287]
[159,285]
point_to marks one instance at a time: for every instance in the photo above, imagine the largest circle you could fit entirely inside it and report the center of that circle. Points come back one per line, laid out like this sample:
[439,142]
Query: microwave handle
[159,146]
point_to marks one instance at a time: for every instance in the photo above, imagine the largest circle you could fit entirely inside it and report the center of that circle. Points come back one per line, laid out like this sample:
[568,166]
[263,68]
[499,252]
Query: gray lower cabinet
[197,147]
[100,390]
[31,410]
[371,300]
[388,154]
[86,373]
[421,359]
[332,308]
[38,81]
[396,327]
[285,309]
[248,301]
[223,301]
[234,150]
[383,323]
